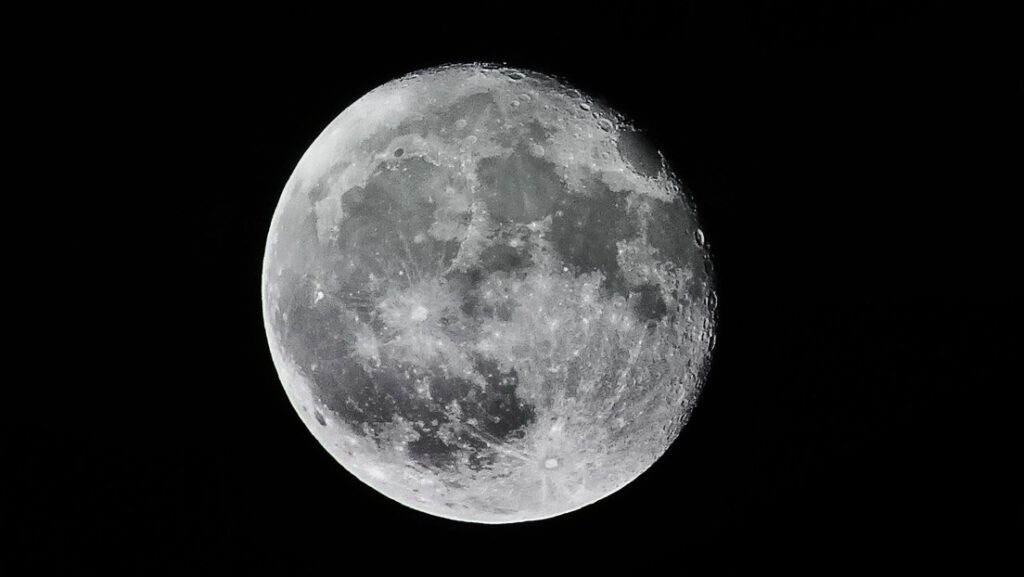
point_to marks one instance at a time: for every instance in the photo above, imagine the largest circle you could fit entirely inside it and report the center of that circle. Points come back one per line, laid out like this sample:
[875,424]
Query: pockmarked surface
[487,296]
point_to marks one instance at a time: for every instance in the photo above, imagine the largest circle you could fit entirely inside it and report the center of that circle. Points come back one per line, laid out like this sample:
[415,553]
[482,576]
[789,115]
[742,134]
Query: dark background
[850,164]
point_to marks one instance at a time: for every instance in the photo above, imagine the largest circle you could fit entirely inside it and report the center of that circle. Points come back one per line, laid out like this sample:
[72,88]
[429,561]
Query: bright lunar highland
[487,295]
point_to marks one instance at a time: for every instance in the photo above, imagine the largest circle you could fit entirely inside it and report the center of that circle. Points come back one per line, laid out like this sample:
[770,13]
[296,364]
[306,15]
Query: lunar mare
[487,295]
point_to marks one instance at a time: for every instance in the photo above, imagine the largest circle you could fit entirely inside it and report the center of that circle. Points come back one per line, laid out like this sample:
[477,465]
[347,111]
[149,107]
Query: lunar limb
[487,295]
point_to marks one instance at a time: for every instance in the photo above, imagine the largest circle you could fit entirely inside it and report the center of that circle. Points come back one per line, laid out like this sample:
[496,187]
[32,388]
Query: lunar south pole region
[487,295]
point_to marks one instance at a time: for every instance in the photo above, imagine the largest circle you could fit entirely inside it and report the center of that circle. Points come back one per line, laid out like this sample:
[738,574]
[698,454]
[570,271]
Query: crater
[638,152]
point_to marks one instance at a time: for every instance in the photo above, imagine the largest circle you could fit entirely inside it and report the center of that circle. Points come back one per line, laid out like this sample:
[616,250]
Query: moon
[487,295]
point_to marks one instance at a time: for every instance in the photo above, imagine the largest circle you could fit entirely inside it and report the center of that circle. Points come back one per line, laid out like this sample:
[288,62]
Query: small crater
[319,418]
[399,152]
[551,463]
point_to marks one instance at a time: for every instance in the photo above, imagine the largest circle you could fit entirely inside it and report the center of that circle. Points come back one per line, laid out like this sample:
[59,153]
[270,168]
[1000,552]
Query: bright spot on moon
[487,295]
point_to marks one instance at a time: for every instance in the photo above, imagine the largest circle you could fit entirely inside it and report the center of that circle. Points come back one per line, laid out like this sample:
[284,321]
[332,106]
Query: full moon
[487,295]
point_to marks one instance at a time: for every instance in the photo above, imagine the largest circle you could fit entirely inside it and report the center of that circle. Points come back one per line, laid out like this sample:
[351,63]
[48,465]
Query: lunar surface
[487,295]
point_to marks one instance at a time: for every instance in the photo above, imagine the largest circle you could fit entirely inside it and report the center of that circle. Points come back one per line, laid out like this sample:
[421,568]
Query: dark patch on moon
[671,228]
[317,191]
[490,414]
[503,310]
[467,286]
[639,153]
[472,109]
[649,305]
[319,418]
[501,259]
[502,413]
[397,197]
[587,229]
[311,333]
[383,219]
[473,305]
[432,451]
[505,258]
[496,410]
[372,401]
[538,132]
[349,392]
[519,187]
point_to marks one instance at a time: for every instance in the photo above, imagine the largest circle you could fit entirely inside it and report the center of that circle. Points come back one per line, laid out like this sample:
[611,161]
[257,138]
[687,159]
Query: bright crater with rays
[487,296]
